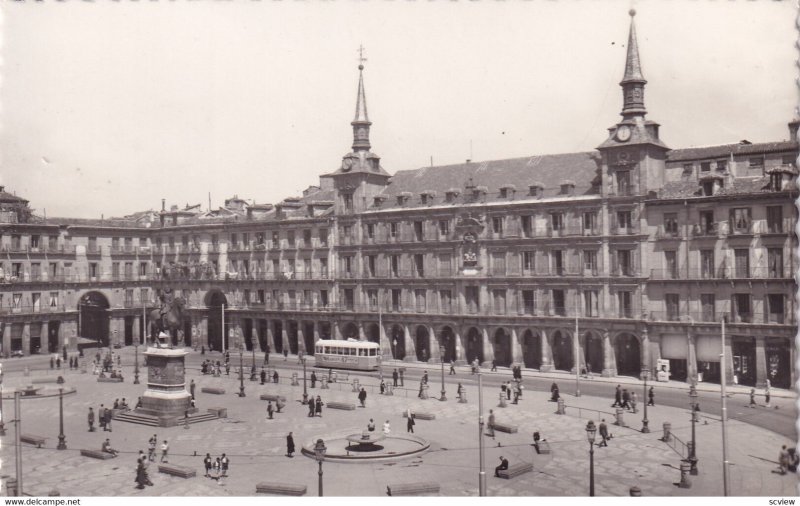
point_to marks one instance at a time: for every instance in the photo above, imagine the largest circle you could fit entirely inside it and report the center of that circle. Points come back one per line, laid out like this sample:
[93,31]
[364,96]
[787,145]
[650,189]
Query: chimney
[163,204]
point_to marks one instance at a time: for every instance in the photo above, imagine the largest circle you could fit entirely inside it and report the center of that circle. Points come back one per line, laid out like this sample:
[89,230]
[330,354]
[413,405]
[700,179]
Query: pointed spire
[633,81]
[361,122]
[633,67]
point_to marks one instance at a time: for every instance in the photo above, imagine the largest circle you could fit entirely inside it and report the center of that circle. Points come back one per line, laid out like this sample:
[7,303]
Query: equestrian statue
[168,318]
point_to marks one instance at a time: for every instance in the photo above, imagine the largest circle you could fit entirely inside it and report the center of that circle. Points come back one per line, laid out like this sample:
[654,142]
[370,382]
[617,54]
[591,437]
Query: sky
[108,107]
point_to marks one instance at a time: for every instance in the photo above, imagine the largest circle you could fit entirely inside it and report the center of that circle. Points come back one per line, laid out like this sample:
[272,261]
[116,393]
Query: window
[528,262]
[590,262]
[788,159]
[528,302]
[623,182]
[394,265]
[393,229]
[446,301]
[671,264]
[115,244]
[370,231]
[499,301]
[444,228]
[323,267]
[775,262]
[672,303]
[245,240]
[307,238]
[34,242]
[557,257]
[290,237]
[671,224]
[419,296]
[53,300]
[371,260]
[740,220]
[590,223]
[591,306]
[559,307]
[623,220]
[347,266]
[756,162]
[323,298]
[775,219]
[722,165]
[527,226]
[93,269]
[705,166]
[742,262]
[52,242]
[16,269]
[624,263]
[36,271]
[36,302]
[260,296]
[688,168]
[349,299]
[143,295]
[16,300]
[347,198]
[557,221]
[419,266]
[92,244]
[624,307]
[129,297]
[497,225]
[707,263]
[397,298]
[372,297]
[775,308]
[708,188]
[707,224]
[499,264]
[741,308]
[472,298]
[707,305]
[418,231]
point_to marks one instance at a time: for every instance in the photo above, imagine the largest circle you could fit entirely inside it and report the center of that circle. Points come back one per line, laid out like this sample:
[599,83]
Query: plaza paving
[256,446]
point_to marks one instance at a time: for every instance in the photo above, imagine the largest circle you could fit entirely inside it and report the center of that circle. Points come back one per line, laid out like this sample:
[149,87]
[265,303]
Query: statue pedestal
[166,397]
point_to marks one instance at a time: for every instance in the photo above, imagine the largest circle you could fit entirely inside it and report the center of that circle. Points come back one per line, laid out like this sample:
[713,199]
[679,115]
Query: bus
[347,354]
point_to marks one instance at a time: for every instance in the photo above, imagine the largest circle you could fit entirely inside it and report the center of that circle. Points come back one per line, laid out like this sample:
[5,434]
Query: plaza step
[154,421]
[418,488]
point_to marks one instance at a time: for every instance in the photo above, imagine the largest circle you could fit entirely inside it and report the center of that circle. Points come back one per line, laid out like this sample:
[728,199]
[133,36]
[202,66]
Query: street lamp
[62,439]
[693,453]
[305,391]
[2,415]
[319,454]
[136,364]
[591,431]
[241,371]
[441,354]
[645,428]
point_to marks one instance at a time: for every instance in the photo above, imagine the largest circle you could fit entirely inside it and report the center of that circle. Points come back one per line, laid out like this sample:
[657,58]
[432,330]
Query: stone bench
[506,427]
[218,412]
[421,415]
[280,488]
[97,454]
[47,379]
[542,448]
[176,470]
[272,397]
[212,390]
[31,439]
[341,405]
[418,488]
[109,380]
[516,470]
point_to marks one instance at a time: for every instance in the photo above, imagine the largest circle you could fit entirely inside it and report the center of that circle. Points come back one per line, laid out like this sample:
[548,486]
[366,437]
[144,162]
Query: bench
[97,454]
[272,397]
[175,470]
[341,405]
[506,427]
[420,415]
[109,380]
[280,488]
[418,488]
[212,390]
[218,412]
[31,439]
[45,380]
[542,447]
[516,470]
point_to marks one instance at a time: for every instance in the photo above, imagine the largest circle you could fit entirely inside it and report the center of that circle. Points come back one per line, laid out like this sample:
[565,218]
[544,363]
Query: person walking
[227,368]
[107,416]
[225,462]
[208,463]
[270,410]
[91,420]
[383,387]
[494,366]
[151,448]
[164,452]
[52,363]
[508,390]
[410,422]
[490,425]
[318,406]
[626,397]
[425,377]
[289,445]
[421,387]
[633,402]
[311,406]
[313,379]
[387,429]
[263,376]
[452,368]
[285,355]
[101,417]
[402,382]
[395,376]
[650,395]
[603,431]
[766,393]
[617,397]
[460,391]
[275,376]
[362,397]
[783,460]
[555,395]
[752,397]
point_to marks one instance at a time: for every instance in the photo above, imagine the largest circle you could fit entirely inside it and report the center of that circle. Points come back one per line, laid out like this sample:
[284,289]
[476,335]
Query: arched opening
[187,331]
[93,308]
[308,337]
[53,327]
[325,330]
[291,334]
[562,351]
[779,363]
[277,333]
[447,339]
[593,352]
[398,342]
[628,353]
[215,301]
[350,331]
[532,350]
[474,347]
[247,330]
[423,343]
[262,334]
[374,333]
[502,348]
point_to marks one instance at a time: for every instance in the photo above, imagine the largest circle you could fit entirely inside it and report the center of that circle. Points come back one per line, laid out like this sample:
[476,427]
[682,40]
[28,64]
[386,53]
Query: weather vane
[361,58]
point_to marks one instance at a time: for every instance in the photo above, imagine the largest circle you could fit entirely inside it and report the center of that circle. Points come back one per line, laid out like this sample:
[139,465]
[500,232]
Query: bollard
[355,385]
[503,403]
[635,491]
[562,410]
[83,367]
[619,421]
[389,390]
[424,394]
[667,432]
[324,384]
[462,397]
[685,481]
[294,379]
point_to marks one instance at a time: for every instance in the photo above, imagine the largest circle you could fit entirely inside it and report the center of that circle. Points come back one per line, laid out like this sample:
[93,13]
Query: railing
[747,229]
[619,230]
[31,309]
[705,230]
[42,248]
[681,448]
[624,272]
[692,317]
[622,191]
[722,273]
[665,233]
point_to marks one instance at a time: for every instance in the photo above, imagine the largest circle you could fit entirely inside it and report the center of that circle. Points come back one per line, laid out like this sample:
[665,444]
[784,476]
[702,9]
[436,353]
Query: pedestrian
[617,397]
[217,469]
[766,393]
[402,383]
[421,387]
[141,475]
[555,395]
[225,462]
[383,387]
[313,379]
[264,376]
[752,397]
[266,356]
[311,406]
[285,355]
[452,368]
[318,406]
[64,351]
[91,420]
[52,363]
[425,377]
[494,366]
[626,397]
[164,452]
[508,390]
[490,425]
[371,425]
[633,402]
[386,428]
[227,356]
[106,448]
[460,391]
[58,363]
[116,404]
[783,460]
[650,395]
[603,431]
[410,422]
[503,389]
[208,463]
[289,445]
[119,360]
[362,397]
[516,395]
[275,376]
[395,377]
[101,417]
[270,410]
[503,466]
[227,368]
[203,349]
[191,388]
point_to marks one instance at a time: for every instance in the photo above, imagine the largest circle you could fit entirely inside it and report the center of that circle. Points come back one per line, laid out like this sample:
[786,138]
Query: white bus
[349,354]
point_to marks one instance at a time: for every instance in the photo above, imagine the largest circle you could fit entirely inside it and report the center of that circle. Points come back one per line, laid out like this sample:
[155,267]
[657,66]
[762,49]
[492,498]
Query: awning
[674,346]
[708,349]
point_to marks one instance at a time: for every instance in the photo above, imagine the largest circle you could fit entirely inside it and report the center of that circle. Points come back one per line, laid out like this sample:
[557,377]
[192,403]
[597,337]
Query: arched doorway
[398,342]
[93,308]
[53,327]
[532,350]
[291,333]
[277,335]
[447,339]
[187,331]
[423,343]
[308,337]
[562,351]
[502,348]
[350,331]
[628,353]
[247,330]
[215,301]
[474,347]
[325,330]
[593,352]
[374,333]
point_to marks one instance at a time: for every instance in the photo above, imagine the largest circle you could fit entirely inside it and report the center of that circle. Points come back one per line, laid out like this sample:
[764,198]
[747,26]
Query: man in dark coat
[318,406]
[311,406]
[410,424]
[263,376]
[503,465]
[395,376]
[362,397]
[626,397]
[91,420]
[191,388]
[617,397]
[275,376]
[289,445]
[650,395]
[603,431]
[313,379]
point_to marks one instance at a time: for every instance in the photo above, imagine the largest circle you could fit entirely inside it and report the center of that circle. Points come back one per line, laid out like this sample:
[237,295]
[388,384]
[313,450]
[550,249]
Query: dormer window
[507,191]
[708,188]
[567,187]
[426,197]
[451,194]
[403,197]
[705,166]
[722,165]
[379,200]
[711,183]
[536,190]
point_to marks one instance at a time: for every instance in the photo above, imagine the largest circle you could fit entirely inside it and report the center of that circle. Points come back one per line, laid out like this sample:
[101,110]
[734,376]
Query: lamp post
[2,414]
[645,421]
[241,371]
[481,456]
[591,431]
[441,354]
[62,439]
[136,364]
[305,391]
[693,454]
[319,455]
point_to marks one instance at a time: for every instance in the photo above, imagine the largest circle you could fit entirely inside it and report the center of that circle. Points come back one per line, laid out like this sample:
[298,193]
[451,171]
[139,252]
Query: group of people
[216,469]
[103,418]
[627,400]
[55,361]
[315,406]
[766,396]
[507,389]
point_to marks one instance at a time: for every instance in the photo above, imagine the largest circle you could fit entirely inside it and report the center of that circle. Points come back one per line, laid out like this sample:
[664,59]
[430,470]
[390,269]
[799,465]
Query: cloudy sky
[108,107]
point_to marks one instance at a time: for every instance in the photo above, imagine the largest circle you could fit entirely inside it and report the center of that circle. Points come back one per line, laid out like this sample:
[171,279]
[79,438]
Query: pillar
[362,336]
[761,362]
[646,355]
[691,361]
[609,364]
[270,336]
[547,352]
[26,338]
[516,347]
[460,358]
[433,345]
[335,331]
[411,349]
[285,336]
[385,341]
[301,340]
[488,351]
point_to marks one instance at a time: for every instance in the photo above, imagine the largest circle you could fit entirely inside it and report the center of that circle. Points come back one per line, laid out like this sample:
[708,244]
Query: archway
[374,333]
[502,348]
[291,334]
[532,350]
[277,327]
[93,308]
[215,301]
[247,330]
[398,342]
[447,339]
[474,347]
[308,337]
[628,353]
[262,334]
[350,331]
[562,350]
[325,330]
[53,327]
[593,352]
[423,343]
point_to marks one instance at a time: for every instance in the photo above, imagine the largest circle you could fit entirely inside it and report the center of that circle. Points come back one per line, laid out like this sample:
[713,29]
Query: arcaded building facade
[644,249]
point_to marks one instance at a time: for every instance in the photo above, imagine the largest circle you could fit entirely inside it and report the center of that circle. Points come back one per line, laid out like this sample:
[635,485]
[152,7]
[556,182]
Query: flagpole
[722,382]
[577,347]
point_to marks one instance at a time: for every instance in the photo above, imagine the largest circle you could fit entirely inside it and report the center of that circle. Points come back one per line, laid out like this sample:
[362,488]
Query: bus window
[372,353]
[360,353]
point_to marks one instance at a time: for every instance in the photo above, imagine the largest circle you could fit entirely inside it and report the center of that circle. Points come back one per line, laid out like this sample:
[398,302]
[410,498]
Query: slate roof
[10,198]
[738,186]
[725,150]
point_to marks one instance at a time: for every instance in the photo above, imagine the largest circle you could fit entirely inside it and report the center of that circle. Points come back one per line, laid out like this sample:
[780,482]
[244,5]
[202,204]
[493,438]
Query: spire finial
[361,58]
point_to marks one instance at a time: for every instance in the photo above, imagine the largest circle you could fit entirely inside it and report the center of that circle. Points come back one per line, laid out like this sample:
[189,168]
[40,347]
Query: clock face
[623,133]
[347,164]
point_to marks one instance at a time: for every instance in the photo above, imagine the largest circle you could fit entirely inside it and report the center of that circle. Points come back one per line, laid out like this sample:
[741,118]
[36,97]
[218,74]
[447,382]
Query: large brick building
[643,248]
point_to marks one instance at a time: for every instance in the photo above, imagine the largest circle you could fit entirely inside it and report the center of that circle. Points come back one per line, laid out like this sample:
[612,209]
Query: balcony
[26,309]
[618,230]
[665,233]
[777,227]
[744,229]
[701,230]
[624,272]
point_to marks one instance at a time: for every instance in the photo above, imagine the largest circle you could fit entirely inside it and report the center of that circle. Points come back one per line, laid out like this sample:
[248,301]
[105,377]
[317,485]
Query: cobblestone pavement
[256,446]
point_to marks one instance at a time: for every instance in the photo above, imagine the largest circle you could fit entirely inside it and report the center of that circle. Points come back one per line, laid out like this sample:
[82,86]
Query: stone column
[609,364]
[301,341]
[516,347]
[691,361]
[647,359]
[26,338]
[362,336]
[433,345]
[336,333]
[460,358]
[385,341]
[270,336]
[761,362]
[411,349]
[285,336]
[488,350]
[547,352]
